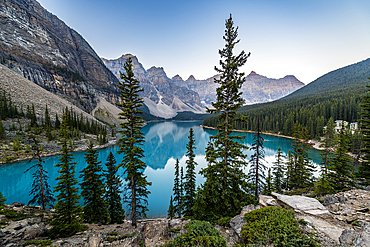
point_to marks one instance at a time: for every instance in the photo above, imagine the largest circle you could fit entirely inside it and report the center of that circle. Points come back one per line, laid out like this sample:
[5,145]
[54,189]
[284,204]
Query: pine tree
[33,116]
[177,190]
[269,187]
[256,175]
[340,166]
[2,131]
[301,175]
[328,142]
[41,190]
[112,197]
[278,171]
[92,188]
[171,210]
[190,176]
[57,122]
[363,174]
[47,122]
[67,217]
[2,200]
[130,144]
[225,190]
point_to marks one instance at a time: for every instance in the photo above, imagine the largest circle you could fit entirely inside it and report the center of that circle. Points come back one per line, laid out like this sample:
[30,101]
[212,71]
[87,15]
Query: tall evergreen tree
[278,171]
[340,166]
[112,197]
[364,169]
[301,175]
[269,186]
[67,217]
[190,176]
[225,189]
[2,131]
[47,122]
[2,200]
[171,210]
[256,175]
[41,190]
[328,142]
[92,188]
[130,144]
[177,190]
[57,122]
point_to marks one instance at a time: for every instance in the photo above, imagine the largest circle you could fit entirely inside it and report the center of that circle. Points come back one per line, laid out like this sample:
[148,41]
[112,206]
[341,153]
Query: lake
[165,142]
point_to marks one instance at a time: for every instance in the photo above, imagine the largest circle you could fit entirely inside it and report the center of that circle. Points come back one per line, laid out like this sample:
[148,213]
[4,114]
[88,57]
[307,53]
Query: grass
[112,239]
[38,243]
[14,215]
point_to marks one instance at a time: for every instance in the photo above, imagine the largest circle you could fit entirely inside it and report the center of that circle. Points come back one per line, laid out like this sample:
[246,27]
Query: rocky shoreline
[342,220]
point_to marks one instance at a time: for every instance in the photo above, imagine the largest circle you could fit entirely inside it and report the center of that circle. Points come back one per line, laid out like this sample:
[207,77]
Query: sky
[306,39]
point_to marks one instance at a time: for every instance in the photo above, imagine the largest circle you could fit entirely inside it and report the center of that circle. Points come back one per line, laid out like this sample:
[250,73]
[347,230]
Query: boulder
[301,204]
[238,221]
[265,201]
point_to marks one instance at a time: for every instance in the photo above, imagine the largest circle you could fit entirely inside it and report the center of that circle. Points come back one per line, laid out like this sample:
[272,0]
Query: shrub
[112,239]
[274,225]
[38,243]
[199,233]
[225,221]
[13,215]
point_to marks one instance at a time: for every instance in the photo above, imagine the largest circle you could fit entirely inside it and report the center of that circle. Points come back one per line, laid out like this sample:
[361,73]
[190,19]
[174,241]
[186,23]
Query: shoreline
[78,149]
[316,146]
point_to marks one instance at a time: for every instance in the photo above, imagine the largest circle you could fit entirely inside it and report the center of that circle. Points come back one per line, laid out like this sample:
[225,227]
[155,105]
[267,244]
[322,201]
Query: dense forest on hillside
[337,94]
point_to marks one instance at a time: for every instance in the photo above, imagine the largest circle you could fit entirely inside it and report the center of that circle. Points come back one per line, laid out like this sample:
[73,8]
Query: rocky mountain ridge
[256,88]
[163,97]
[39,46]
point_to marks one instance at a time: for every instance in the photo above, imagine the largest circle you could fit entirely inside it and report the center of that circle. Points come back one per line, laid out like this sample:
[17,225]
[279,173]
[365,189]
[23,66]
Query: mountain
[336,95]
[161,95]
[256,88]
[43,49]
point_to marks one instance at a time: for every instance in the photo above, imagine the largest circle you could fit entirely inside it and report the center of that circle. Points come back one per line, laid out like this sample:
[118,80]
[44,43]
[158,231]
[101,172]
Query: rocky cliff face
[42,48]
[256,88]
[161,95]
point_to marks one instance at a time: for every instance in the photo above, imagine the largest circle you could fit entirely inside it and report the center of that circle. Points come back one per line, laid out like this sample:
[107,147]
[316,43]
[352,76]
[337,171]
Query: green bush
[199,233]
[112,239]
[225,221]
[38,243]
[274,225]
[13,215]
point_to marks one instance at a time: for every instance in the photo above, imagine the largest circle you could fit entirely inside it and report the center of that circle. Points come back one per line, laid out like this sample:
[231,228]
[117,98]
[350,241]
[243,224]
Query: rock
[329,229]
[2,234]
[301,204]
[348,237]
[229,235]
[330,200]
[16,204]
[94,240]
[265,201]
[238,221]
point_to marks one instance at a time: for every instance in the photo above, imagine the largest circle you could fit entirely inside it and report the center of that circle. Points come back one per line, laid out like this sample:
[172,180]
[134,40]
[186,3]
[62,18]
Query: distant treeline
[310,112]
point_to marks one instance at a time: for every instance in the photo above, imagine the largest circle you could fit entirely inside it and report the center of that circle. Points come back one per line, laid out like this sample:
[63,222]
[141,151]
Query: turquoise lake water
[165,142]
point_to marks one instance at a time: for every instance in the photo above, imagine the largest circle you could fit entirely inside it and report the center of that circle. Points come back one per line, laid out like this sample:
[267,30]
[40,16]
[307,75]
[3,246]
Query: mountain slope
[42,48]
[162,97]
[336,94]
[24,92]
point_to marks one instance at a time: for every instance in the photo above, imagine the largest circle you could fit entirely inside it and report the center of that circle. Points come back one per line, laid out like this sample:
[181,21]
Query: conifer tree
[2,131]
[190,176]
[92,188]
[2,200]
[41,190]
[225,190]
[171,210]
[301,175]
[112,197]
[269,187]
[290,174]
[340,166]
[67,217]
[47,117]
[256,175]
[278,171]
[364,169]
[328,142]
[177,190]
[57,122]
[130,144]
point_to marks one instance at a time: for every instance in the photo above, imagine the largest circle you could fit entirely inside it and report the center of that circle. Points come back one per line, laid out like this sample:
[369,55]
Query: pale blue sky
[291,37]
